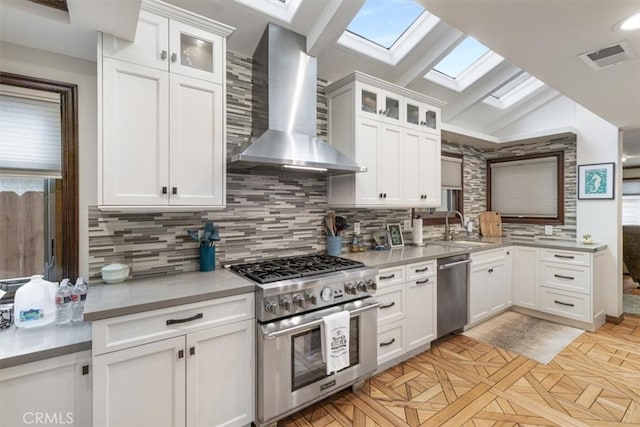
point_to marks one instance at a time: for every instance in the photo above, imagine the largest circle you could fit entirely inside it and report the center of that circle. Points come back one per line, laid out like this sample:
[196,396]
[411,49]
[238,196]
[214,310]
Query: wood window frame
[559,218]
[67,204]
[438,218]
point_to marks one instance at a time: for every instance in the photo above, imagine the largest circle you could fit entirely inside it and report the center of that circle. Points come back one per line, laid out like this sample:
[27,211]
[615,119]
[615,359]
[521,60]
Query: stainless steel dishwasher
[453,278]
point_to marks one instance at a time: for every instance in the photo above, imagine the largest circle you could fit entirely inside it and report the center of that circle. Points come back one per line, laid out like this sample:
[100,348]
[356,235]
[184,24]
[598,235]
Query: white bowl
[115,273]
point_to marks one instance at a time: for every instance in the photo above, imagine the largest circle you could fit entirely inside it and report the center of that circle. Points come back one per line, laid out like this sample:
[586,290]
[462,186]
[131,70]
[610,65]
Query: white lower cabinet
[202,376]
[54,392]
[407,314]
[488,286]
[525,276]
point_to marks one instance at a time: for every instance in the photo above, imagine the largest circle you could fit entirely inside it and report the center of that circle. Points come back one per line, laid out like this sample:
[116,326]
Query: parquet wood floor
[595,381]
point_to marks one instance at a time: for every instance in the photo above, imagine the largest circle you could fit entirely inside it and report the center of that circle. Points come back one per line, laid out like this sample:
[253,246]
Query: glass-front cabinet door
[195,53]
[392,109]
[419,115]
[378,104]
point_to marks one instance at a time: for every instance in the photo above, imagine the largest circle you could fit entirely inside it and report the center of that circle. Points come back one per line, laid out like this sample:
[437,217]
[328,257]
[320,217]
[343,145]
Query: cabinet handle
[192,351]
[421,270]
[559,276]
[380,196]
[180,354]
[164,190]
[391,276]
[385,195]
[387,305]
[85,369]
[381,111]
[163,54]
[564,256]
[174,190]
[422,282]
[490,270]
[186,319]
[384,344]
[508,252]
[174,57]
[564,303]
[422,123]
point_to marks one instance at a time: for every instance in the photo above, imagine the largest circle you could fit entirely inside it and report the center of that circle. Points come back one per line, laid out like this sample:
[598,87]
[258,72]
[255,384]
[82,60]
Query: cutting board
[490,223]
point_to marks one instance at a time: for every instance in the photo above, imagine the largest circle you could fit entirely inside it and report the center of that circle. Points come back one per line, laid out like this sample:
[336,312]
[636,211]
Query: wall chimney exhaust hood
[284,112]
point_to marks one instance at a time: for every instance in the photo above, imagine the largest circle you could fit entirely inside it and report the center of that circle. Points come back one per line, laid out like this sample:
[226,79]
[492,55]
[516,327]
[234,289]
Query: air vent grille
[608,55]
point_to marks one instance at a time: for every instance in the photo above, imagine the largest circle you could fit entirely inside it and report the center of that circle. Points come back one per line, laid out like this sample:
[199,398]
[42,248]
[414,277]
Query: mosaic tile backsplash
[278,215]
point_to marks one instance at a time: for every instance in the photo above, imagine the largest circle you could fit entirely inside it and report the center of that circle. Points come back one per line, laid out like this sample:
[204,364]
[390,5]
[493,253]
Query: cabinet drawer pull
[164,190]
[564,303]
[560,276]
[180,354]
[391,341]
[490,270]
[85,369]
[174,190]
[422,270]
[186,319]
[422,282]
[192,351]
[163,54]
[174,57]
[391,276]
[564,256]
[387,305]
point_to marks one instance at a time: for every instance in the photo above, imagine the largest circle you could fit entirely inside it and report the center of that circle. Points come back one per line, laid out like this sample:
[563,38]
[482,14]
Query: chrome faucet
[448,235]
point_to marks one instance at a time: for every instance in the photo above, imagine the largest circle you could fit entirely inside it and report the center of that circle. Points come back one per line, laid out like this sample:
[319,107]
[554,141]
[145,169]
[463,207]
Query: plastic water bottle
[63,303]
[78,298]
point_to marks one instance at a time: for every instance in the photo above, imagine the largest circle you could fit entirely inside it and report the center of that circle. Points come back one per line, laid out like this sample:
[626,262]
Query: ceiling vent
[608,55]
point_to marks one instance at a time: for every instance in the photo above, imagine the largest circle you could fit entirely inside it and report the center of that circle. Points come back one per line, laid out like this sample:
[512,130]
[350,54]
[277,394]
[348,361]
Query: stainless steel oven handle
[453,264]
[317,322]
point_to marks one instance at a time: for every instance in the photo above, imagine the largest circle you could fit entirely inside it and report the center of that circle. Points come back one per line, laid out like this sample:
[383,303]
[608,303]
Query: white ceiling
[542,37]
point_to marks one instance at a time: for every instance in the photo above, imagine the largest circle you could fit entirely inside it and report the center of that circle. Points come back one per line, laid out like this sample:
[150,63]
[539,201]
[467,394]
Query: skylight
[384,21]
[514,91]
[283,10]
[461,58]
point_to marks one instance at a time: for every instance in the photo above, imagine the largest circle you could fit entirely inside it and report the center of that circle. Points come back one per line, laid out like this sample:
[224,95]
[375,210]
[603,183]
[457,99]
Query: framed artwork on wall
[395,235]
[596,181]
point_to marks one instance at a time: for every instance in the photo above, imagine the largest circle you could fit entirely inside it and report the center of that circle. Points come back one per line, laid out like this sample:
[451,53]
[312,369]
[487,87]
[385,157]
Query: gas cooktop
[278,269]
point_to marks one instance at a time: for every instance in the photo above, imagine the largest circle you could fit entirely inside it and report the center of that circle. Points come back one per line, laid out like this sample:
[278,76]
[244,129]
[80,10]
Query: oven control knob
[298,301]
[372,285]
[350,288]
[361,286]
[312,298]
[285,303]
[271,307]
[326,293]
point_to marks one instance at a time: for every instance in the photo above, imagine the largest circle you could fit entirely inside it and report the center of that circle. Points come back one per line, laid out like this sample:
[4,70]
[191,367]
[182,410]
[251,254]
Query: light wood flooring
[595,381]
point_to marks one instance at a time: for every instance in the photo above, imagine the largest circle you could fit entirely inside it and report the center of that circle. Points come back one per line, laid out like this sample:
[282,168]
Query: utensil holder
[334,245]
[207,258]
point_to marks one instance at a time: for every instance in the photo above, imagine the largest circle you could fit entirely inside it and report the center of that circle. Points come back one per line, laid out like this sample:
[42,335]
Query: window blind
[30,134]
[630,210]
[451,170]
[525,187]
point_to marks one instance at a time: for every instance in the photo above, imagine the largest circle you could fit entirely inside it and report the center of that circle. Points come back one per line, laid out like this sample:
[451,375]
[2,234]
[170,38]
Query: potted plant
[206,237]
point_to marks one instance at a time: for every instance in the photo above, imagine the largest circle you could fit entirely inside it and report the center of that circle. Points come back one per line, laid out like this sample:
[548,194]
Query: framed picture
[395,235]
[596,181]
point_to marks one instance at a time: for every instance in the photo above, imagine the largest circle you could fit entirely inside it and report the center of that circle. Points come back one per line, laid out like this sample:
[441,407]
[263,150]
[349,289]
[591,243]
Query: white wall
[38,63]
[598,141]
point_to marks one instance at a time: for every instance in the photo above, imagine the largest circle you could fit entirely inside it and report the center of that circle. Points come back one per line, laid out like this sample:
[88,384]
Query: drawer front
[566,257]
[121,332]
[487,256]
[565,304]
[390,276]
[390,342]
[392,304]
[566,277]
[420,269]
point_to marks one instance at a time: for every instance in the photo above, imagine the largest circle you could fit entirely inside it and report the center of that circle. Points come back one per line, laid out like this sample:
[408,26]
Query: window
[464,65]
[387,30]
[283,10]
[527,189]
[38,177]
[452,192]
[514,91]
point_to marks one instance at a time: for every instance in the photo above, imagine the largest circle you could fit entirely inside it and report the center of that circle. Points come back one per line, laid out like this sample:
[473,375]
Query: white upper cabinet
[392,131]
[171,45]
[162,113]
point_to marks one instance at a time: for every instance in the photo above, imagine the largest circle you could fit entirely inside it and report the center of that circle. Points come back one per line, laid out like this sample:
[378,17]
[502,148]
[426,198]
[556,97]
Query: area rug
[631,304]
[536,339]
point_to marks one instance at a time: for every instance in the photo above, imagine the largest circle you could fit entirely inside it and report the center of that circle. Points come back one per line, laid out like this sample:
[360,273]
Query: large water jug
[34,303]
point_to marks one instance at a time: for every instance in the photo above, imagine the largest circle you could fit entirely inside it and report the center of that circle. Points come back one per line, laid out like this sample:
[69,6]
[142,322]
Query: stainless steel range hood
[284,112]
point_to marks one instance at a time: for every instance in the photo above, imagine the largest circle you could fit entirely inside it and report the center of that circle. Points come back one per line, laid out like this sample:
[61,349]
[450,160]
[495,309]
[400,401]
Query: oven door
[291,371]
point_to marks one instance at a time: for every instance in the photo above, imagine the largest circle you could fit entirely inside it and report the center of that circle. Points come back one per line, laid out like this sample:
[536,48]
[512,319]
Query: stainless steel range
[293,296]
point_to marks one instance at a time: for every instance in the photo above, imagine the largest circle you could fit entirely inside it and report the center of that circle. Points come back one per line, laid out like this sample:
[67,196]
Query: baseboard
[616,320]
